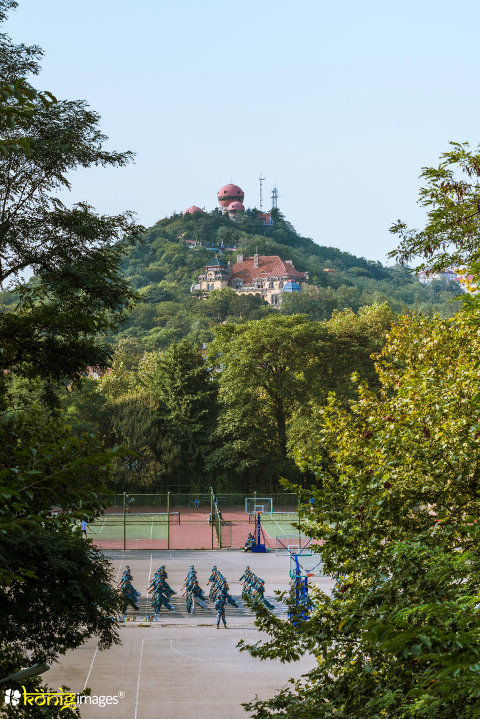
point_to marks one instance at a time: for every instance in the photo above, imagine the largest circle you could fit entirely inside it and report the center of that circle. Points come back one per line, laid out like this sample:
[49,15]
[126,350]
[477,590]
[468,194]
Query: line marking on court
[91,665]
[138,680]
[202,659]
[120,568]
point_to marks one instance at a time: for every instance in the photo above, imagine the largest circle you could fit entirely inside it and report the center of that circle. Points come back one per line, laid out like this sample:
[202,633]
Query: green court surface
[280,524]
[142,526]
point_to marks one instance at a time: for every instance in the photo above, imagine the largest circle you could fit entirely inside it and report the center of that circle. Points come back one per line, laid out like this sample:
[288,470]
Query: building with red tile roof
[266,275]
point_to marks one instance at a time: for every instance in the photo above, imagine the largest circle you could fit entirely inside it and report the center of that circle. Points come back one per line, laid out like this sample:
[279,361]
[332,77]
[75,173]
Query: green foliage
[163,409]
[397,498]
[451,236]
[164,268]
[78,294]
[268,372]
[55,587]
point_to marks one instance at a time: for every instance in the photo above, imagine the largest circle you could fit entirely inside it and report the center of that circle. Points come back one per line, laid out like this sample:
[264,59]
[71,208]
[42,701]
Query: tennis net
[273,517]
[139,518]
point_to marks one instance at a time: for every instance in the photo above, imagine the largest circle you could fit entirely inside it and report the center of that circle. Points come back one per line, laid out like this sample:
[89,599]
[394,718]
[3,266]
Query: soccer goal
[258,504]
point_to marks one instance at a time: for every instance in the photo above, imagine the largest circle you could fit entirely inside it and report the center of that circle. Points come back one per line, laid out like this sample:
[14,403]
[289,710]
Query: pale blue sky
[340,105]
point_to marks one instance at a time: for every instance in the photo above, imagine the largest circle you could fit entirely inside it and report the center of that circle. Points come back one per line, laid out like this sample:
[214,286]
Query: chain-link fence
[194,521]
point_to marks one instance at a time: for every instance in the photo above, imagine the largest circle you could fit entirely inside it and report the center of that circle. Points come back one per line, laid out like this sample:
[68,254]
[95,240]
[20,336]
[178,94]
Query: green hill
[165,266]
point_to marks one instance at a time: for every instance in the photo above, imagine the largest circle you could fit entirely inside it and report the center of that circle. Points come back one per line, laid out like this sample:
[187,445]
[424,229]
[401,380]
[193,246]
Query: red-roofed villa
[266,275]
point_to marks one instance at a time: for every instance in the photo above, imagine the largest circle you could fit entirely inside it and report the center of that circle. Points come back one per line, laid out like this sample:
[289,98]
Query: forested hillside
[163,268]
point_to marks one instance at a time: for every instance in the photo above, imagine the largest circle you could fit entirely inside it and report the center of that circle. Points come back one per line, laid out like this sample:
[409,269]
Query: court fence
[206,520]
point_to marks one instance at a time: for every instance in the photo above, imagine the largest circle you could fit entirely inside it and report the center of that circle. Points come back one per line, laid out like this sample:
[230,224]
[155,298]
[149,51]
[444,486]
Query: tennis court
[278,524]
[201,521]
[142,526]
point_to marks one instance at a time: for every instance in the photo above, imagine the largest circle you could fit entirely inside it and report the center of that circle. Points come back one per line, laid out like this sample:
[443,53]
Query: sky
[339,105]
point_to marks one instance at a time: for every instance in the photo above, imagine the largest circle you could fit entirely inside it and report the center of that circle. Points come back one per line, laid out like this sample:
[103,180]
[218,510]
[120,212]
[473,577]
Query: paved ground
[182,667]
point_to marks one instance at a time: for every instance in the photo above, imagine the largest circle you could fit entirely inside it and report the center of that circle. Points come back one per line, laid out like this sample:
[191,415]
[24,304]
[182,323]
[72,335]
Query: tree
[396,508]
[78,292]
[451,236]
[268,371]
[166,414]
[55,587]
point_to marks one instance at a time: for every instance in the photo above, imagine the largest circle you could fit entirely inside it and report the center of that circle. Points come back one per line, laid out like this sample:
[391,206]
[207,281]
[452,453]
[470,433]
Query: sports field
[145,525]
[182,666]
[189,528]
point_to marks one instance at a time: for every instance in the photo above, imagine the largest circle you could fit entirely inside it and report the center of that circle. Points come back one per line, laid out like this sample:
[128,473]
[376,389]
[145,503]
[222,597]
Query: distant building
[266,275]
[193,210]
[266,218]
[229,194]
[426,277]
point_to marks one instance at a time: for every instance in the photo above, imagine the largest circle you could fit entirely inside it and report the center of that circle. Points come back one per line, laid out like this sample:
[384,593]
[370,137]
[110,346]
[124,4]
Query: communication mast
[274,198]
[261,179]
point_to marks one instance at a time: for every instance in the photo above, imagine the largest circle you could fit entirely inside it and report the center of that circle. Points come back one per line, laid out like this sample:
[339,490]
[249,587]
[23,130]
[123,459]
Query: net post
[211,512]
[219,527]
[124,521]
[168,520]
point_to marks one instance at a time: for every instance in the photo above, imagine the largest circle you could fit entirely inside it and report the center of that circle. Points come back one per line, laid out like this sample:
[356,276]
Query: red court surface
[195,532]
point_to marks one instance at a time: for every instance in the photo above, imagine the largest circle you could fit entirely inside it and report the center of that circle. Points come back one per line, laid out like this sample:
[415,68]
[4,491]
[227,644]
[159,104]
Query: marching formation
[127,588]
[254,587]
[161,591]
[193,592]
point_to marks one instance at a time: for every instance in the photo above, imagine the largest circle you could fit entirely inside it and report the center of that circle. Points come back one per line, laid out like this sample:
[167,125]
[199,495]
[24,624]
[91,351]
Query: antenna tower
[274,198]
[261,179]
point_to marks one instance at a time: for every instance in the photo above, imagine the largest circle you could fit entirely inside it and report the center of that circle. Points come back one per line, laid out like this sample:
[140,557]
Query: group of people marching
[219,595]
[254,587]
[127,588]
[193,592]
[161,591]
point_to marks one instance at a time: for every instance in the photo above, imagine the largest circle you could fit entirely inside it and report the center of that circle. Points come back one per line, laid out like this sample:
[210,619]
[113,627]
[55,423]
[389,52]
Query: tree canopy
[55,587]
[78,293]
[396,507]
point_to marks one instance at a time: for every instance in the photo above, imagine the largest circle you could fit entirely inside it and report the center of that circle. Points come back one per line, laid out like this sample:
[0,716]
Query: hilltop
[174,251]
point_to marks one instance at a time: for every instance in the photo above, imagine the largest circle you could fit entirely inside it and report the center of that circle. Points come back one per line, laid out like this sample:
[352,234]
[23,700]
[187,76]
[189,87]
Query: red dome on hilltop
[193,210]
[235,207]
[230,193]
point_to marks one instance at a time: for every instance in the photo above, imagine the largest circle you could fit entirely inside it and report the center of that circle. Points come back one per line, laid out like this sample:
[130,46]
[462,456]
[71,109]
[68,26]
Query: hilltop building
[266,275]
[193,210]
[230,198]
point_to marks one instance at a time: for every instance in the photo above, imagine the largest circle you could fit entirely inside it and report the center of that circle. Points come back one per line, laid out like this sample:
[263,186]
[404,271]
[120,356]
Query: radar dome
[228,194]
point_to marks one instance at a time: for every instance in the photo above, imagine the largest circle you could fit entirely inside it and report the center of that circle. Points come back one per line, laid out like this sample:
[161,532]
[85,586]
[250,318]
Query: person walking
[220,609]
[84,528]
